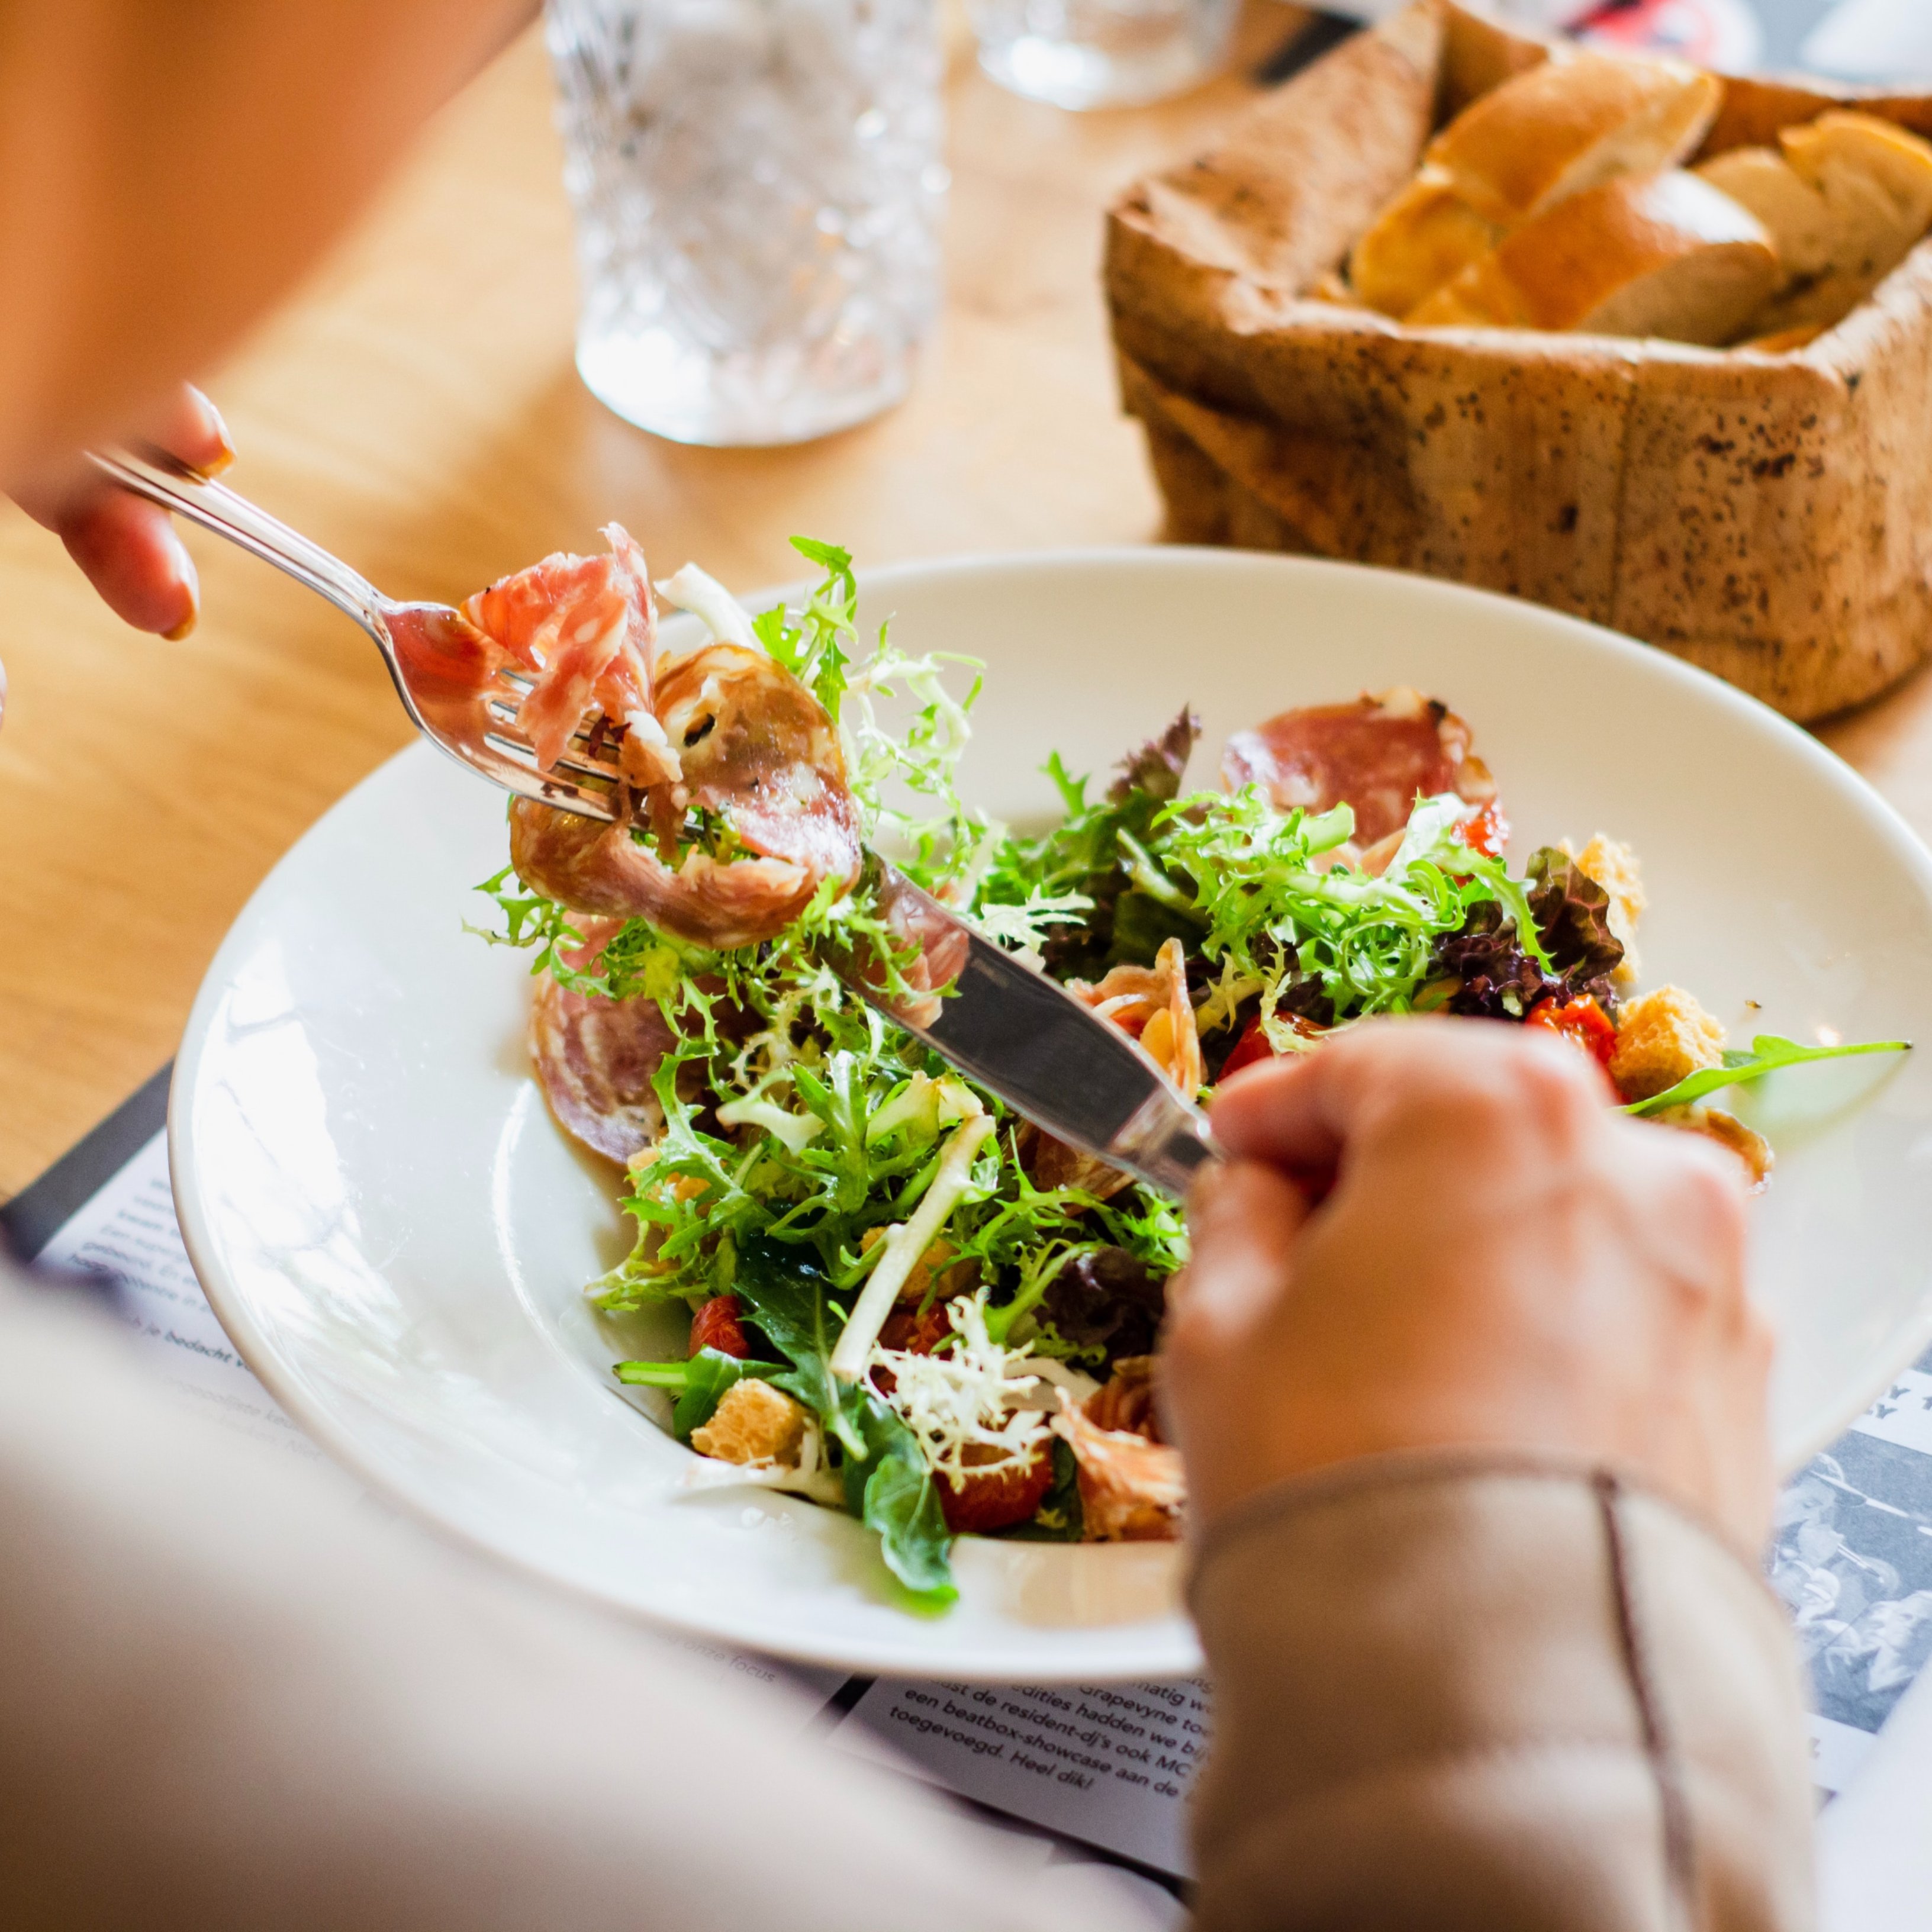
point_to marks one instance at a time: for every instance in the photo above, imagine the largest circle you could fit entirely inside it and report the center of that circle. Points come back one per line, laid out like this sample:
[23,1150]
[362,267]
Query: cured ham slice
[1151,1005]
[595,1059]
[723,728]
[594,867]
[756,750]
[1132,1489]
[1376,755]
[584,628]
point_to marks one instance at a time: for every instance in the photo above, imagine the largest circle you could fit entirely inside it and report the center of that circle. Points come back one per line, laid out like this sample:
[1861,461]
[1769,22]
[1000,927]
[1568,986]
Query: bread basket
[1768,516]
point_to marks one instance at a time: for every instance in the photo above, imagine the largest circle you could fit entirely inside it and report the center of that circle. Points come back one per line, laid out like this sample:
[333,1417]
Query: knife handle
[1165,1143]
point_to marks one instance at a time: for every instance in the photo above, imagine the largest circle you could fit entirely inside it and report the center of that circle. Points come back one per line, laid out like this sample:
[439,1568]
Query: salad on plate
[906,1302]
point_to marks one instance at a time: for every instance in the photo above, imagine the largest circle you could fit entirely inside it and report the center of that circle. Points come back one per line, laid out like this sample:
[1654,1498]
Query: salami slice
[594,867]
[757,749]
[595,1059]
[1375,755]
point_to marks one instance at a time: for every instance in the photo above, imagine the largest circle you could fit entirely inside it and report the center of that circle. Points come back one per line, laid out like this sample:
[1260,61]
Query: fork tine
[506,704]
[580,756]
[515,744]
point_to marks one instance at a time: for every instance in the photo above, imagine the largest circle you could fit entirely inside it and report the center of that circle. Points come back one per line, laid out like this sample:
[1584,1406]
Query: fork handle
[165,480]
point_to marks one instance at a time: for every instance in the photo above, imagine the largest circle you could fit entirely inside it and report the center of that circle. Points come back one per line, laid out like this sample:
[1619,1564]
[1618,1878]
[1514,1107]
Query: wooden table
[417,411]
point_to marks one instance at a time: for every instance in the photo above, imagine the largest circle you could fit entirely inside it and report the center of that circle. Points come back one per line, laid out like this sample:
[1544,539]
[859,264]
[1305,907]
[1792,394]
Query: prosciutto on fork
[723,730]
[584,629]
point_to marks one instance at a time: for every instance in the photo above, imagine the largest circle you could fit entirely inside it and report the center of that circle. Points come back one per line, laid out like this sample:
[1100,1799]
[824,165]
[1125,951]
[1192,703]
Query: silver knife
[1053,1060]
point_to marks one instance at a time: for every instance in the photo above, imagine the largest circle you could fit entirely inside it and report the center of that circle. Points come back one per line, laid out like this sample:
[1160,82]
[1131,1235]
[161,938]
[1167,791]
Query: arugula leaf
[789,1298]
[699,1384]
[1097,855]
[888,1484]
[1769,1052]
[891,1489]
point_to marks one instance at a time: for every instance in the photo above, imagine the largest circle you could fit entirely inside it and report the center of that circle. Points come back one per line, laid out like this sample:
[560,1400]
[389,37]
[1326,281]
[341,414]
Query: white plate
[393,1231]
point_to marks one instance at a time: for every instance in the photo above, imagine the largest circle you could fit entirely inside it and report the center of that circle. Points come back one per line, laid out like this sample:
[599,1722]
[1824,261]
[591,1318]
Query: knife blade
[1053,1060]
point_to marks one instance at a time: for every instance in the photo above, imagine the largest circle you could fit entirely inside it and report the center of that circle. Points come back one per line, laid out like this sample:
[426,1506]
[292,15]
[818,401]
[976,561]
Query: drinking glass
[1103,53]
[758,187]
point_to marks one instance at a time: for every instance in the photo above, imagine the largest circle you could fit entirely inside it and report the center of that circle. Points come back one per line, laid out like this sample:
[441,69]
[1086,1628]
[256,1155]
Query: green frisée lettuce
[1080,878]
[1273,913]
[1769,1052]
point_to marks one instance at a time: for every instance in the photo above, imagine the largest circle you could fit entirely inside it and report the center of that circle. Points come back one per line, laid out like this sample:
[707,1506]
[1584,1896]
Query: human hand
[128,548]
[1502,1261]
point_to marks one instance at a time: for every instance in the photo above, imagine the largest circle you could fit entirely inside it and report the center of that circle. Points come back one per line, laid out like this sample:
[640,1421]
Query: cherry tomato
[716,1325]
[912,1333]
[996,1498]
[1252,1045]
[1487,832]
[1582,1022]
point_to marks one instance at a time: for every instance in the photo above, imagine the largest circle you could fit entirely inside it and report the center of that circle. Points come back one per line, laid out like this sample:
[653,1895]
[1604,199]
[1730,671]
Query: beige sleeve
[1455,1692]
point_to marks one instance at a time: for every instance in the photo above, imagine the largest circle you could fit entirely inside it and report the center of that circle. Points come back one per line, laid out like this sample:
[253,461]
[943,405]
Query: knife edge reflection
[1052,1059]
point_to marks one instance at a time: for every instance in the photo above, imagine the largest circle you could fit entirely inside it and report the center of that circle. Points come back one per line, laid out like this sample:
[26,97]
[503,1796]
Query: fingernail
[188,581]
[225,455]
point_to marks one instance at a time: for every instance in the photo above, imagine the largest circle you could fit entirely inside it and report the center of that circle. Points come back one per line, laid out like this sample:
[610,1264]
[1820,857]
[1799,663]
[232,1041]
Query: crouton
[1663,1037]
[754,1423]
[1727,1130]
[1614,868]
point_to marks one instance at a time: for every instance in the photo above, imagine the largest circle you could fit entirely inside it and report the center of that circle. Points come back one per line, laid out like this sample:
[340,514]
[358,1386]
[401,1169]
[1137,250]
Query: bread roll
[1571,125]
[1426,234]
[1844,204]
[1668,256]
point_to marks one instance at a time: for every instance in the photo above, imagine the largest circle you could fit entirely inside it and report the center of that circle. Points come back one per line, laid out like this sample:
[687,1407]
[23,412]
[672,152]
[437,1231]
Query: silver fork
[432,649]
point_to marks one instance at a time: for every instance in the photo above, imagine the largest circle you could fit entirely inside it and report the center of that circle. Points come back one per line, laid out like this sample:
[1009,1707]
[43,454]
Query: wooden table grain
[417,411]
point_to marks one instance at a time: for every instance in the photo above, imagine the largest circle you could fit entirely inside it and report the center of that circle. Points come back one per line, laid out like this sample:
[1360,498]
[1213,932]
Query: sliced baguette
[1841,149]
[1670,256]
[1876,181]
[1426,235]
[1844,201]
[1796,216]
[1569,126]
